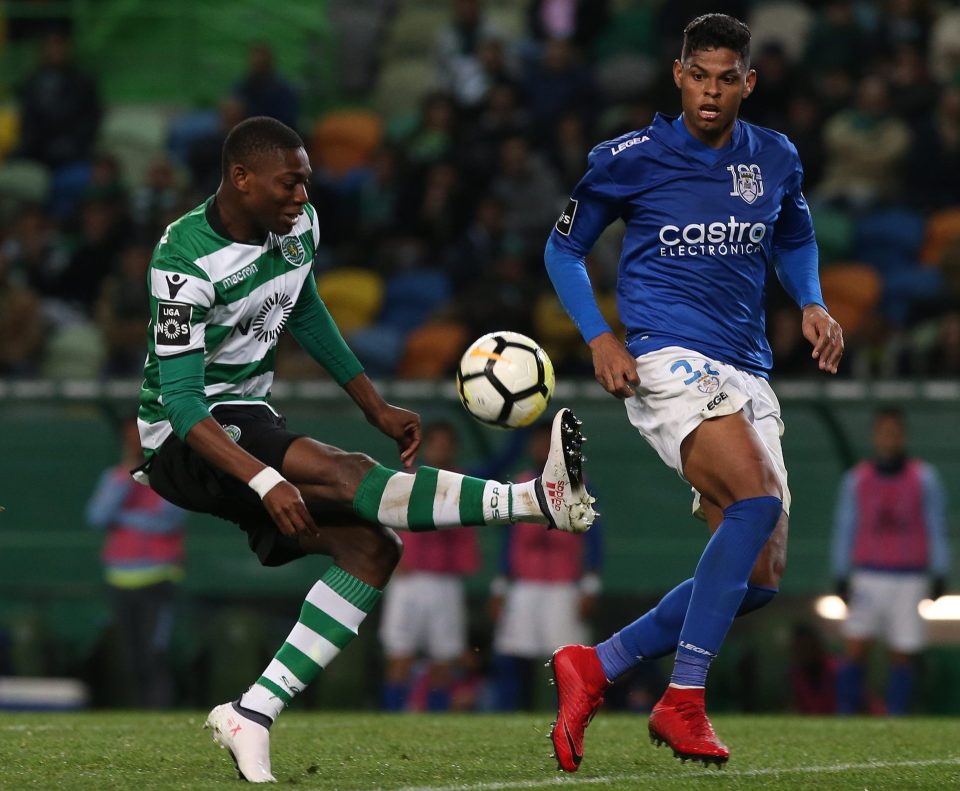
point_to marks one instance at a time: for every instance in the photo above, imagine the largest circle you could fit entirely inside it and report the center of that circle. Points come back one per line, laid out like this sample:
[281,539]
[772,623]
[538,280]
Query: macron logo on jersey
[633,141]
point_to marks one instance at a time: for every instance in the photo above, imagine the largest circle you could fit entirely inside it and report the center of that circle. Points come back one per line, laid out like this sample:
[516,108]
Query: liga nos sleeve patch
[565,223]
[173,324]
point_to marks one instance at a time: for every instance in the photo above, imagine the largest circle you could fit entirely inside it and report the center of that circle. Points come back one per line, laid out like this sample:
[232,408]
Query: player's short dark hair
[716,31]
[254,137]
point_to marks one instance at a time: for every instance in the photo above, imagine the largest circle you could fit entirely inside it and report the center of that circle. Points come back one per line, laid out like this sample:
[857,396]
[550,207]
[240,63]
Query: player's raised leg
[431,499]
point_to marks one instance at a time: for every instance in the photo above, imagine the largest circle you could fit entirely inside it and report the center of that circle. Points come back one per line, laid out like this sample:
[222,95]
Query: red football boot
[580,684]
[680,721]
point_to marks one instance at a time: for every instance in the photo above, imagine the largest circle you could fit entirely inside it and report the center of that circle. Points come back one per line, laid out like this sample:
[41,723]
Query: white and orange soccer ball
[505,379]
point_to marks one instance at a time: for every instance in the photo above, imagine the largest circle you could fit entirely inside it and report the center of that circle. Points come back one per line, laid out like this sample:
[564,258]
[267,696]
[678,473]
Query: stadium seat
[432,351]
[9,129]
[343,140]
[135,134]
[379,348]
[834,229]
[22,181]
[413,30]
[889,239]
[852,291]
[783,22]
[402,85]
[942,232]
[353,296]
[554,330]
[75,352]
[412,297]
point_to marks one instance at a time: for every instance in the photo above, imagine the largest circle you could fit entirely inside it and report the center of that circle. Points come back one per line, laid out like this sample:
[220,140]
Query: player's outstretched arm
[822,330]
[397,423]
[614,367]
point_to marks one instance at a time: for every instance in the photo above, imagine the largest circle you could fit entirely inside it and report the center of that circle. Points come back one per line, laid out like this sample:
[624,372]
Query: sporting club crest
[292,249]
[747,181]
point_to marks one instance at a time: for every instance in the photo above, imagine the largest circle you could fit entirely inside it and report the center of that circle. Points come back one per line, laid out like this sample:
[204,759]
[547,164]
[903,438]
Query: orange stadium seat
[942,231]
[852,291]
[343,140]
[431,351]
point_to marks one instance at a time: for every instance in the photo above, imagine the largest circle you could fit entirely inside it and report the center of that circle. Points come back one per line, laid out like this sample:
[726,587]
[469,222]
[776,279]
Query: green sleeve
[181,391]
[314,329]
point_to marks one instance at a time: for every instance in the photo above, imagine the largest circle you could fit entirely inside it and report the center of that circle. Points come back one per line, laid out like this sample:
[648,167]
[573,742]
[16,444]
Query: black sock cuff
[253,716]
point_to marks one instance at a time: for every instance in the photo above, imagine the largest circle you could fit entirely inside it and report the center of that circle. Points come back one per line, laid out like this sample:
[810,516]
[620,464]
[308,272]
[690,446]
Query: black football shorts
[182,476]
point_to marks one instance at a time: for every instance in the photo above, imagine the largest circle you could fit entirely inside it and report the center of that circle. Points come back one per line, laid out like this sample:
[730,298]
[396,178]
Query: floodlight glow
[831,608]
[946,608]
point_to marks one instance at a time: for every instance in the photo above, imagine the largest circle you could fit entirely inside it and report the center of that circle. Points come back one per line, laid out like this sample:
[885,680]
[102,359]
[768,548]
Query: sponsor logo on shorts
[565,223]
[555,493]
[708,384]
[233,432]
[173,324]
[718,399]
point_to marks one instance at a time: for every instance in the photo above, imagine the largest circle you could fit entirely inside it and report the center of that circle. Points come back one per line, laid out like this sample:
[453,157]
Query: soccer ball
[505,380]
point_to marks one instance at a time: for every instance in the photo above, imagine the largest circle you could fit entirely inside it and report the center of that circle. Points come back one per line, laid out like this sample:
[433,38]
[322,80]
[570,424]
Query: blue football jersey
[702,227]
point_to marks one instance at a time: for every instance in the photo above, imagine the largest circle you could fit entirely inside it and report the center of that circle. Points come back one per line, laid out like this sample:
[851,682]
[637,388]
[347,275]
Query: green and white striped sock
[330,618]
[432,499]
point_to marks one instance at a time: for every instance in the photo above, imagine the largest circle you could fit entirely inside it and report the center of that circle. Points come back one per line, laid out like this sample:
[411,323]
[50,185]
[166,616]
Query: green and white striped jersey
[227,299]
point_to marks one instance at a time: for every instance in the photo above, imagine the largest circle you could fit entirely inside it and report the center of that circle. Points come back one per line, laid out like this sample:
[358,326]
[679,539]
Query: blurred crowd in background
[434,221]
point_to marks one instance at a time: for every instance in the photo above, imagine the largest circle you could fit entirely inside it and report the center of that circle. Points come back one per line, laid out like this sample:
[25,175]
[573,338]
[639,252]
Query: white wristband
[264,481]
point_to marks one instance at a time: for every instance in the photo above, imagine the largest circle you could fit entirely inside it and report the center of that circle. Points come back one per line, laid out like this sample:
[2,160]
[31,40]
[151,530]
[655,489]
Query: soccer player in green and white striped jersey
[225,281]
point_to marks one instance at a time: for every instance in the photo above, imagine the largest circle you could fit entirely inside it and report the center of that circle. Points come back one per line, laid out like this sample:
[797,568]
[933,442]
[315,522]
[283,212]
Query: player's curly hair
[254,137]
[713,31]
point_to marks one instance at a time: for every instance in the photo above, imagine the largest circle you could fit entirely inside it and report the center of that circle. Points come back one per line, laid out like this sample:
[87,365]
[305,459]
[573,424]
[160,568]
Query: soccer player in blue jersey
[709,202]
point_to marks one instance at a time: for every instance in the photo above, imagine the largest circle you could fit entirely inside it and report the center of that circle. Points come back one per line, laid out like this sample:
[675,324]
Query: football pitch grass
[334,750]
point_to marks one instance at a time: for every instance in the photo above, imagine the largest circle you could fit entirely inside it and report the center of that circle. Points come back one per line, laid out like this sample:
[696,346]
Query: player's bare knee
[351,469]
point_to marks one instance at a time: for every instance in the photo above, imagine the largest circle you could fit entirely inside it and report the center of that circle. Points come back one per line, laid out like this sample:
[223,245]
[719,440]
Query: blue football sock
[720,584]
[507,682]
[655,634]
[438,699]
[900,690]
[393,697]
[651,636]
[850,688]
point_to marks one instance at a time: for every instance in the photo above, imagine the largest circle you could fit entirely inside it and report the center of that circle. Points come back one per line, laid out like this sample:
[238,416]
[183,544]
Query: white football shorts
[680,388]
[424,613]
[538,618]
[883,605]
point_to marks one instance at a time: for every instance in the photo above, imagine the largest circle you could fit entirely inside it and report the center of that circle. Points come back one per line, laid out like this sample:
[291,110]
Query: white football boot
[560,490]
[247,741]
